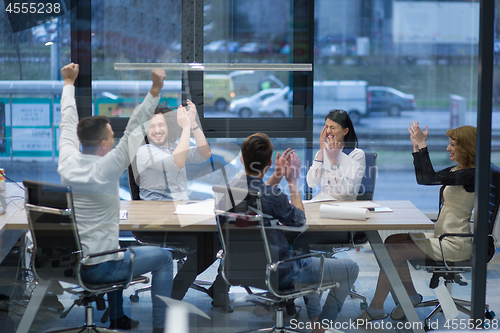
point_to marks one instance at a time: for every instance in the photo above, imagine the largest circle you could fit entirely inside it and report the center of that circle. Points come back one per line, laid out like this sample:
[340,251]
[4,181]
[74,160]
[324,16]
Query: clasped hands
[287,165]
[417,136]
[330,145]
[186,119]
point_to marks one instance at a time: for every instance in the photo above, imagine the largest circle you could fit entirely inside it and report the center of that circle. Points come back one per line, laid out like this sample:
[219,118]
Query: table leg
[8,238]
[387,265]
[33,306]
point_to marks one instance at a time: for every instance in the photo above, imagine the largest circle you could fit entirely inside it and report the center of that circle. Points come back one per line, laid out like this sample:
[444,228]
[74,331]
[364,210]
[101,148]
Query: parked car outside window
[390,100]
[248,106]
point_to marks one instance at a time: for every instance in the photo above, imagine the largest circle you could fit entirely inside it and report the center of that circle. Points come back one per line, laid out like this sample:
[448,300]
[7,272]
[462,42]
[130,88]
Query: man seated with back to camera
[93,175]
[256,151]
[162,176]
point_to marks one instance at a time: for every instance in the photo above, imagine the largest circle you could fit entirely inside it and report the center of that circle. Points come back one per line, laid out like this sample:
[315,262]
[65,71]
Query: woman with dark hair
[454,216]
[339,165]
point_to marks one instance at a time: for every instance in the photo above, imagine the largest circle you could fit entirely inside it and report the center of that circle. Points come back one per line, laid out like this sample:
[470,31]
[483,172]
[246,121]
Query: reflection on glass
[225,164]
[392,63]
[34,54]
[243,31]
[131,32]
[248,94]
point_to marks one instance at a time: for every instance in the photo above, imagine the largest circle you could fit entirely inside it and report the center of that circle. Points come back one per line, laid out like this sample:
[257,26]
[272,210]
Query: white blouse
[343,183]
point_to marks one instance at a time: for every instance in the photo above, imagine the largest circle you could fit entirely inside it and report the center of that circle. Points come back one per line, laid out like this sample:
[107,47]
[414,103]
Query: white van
[345,95]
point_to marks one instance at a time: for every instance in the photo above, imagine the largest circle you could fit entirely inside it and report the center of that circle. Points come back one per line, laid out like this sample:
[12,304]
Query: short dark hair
[342,118]
[174,130]
[92,130]
[256,150]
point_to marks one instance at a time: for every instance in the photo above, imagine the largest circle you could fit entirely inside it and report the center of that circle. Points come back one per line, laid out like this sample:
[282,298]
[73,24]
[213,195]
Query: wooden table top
[159,215]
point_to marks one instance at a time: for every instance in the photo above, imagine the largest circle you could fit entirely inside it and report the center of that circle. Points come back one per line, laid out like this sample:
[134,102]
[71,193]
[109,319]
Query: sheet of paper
[320,197]
[123,214]
[356,204]
[205,208]
[343,213]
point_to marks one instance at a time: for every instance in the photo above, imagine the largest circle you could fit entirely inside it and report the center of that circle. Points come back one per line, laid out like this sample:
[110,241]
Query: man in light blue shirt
[161,163]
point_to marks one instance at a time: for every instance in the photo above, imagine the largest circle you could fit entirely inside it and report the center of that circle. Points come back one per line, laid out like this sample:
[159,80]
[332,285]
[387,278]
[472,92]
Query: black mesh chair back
[493,207]
[368,182]
[49,208]
[133,177]
[243,240]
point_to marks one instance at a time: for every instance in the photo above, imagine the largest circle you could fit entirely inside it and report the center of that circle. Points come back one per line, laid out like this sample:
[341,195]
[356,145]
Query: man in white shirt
[93,175]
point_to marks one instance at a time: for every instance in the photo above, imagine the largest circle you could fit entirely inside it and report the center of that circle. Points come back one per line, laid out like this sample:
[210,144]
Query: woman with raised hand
[457,188]
[339,165]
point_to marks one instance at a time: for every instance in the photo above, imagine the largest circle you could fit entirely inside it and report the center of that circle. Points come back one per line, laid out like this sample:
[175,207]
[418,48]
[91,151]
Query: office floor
[242,318]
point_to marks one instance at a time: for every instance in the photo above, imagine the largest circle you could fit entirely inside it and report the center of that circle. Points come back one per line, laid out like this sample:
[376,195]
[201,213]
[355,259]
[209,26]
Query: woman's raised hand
[333,148]
[322,138]
[417,136]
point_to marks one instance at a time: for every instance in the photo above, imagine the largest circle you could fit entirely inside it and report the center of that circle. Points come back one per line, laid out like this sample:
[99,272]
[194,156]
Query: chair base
[354,294]
[89,326]
[278,327]
[87,329]
[272,330]
[461,306]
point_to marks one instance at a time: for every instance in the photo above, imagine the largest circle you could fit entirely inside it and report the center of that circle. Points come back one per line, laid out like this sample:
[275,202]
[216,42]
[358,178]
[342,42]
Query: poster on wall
[32,139]
[56,119]
[27,114]
[2,127]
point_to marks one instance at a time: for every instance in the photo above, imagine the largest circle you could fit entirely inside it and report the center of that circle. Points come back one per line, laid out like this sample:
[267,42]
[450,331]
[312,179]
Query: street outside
[394,181]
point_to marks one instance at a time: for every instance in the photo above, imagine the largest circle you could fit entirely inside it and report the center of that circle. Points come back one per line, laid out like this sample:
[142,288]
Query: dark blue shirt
[276,204]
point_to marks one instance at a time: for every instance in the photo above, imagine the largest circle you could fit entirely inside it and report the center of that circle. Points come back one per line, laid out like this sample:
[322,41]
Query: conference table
[160,216]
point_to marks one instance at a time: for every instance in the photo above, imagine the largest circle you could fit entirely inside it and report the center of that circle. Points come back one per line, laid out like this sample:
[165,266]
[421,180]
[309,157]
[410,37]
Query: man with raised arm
[93,175]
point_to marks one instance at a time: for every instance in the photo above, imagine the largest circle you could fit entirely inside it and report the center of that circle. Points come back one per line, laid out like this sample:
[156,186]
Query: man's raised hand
[158,75]
[70,73]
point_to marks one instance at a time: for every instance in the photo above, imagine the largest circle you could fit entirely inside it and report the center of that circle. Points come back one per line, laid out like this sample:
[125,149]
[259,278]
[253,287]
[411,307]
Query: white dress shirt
[343,182]
[94,179]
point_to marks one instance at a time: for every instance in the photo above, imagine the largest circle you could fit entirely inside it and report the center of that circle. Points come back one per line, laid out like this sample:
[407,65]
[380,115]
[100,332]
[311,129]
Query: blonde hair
[465,140]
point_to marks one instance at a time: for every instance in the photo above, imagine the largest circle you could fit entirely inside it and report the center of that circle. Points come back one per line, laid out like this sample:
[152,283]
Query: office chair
[52,223]
[177,245]
[338,241]
[450,271]
[247,259]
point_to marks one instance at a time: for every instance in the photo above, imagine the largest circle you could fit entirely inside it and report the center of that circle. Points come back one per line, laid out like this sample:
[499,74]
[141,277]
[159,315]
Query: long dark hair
[342,118]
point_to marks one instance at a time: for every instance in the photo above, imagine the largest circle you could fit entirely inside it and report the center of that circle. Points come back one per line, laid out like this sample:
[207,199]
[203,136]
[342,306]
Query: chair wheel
[134,298]
[363,305]
[489,314]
